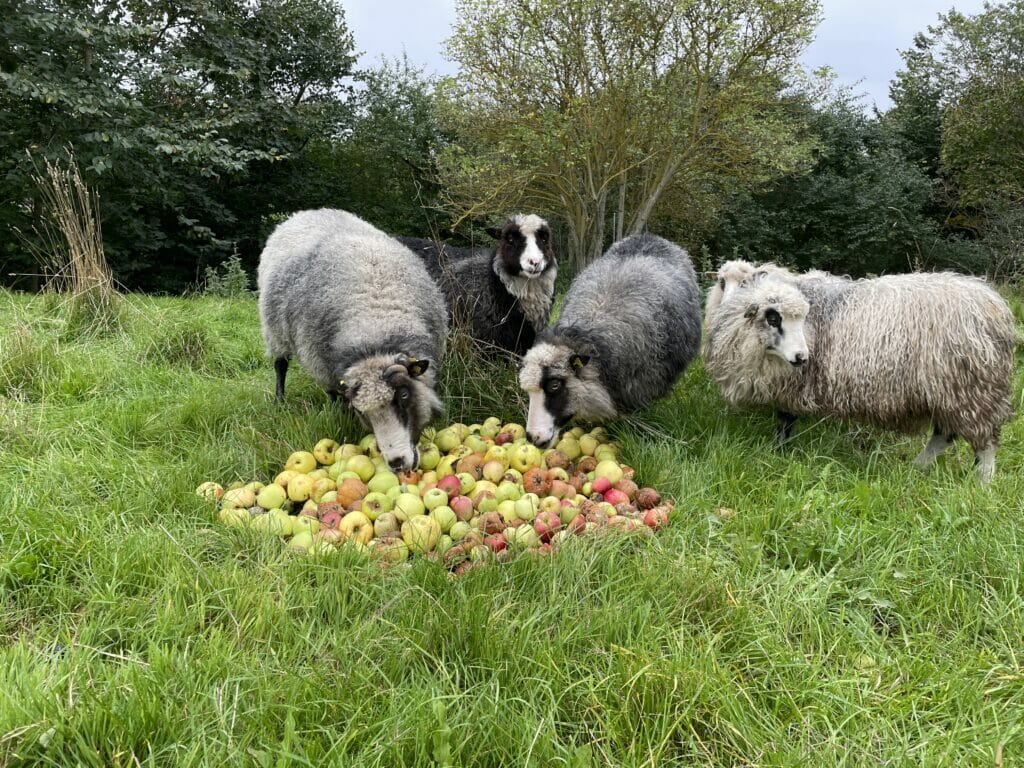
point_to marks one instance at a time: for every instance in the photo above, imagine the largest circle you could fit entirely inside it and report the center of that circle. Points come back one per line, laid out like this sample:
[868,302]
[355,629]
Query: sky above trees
[859,39]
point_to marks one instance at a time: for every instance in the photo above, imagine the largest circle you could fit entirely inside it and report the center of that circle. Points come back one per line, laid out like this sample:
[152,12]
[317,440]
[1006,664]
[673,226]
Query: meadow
[820,605]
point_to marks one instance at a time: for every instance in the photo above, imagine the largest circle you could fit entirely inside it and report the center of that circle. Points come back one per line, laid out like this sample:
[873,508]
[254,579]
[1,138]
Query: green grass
[852,612]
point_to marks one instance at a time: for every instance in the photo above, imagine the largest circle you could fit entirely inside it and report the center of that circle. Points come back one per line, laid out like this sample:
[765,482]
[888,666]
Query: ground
[849,610]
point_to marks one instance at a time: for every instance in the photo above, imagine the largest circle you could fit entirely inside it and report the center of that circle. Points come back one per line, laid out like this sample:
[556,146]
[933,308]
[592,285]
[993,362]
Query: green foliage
[179,114]
[231,281]
[850,612]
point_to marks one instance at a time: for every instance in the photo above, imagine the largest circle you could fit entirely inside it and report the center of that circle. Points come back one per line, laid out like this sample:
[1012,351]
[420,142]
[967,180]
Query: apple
[430,457]
[450,484]
[309,507]
[375,504]
[601,485]
[518,431]
[513,476]
[445,517]
[549,504]
[351,490]
[493,471]
[391,550]
[524,456]
[588,444]
[546,524]
[507,510]
[535,480]
[324,451]
[301,542]
[241,498]
[368,445]
[435,498]
[447,440]
[356,526]
[569,447]
[526,506]
[386,523]
[655,517]
[394,492]
[408,506]
[560,489]
[491,522]
[306,523]
[525,537]
[301,462]
[316,474]
[480,553]
[459,529]
[475,443]
[270,524]
[496,541]
[466,483]
[362,466]
[567,512]
[491,426]
[420,533]
[382,481]
[507,491]
[321,486]
[485,502]
[234,517]
[608,469]
[615,497]
[329,497]
[462,506]
[647,498]
[606,453]
[502,438]
[577,525]
[446,466]
[299,488]
[211,491]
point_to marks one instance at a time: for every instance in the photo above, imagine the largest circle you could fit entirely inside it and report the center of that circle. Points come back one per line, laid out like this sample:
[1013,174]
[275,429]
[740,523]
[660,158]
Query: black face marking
[402,403]
[721,283]
[774,319]
[556,398]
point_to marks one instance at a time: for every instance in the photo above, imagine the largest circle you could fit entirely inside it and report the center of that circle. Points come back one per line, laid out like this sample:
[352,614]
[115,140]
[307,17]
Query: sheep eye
[552,386]
[403,395]
[773,318]
[542,235]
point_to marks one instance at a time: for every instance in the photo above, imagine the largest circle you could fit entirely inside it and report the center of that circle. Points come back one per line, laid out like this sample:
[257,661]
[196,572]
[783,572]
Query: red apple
[463,507]
[502,437]
[615,497]
[492,522]
[450,484]
[496,541]
[546,524]
[601,485]
[656,517]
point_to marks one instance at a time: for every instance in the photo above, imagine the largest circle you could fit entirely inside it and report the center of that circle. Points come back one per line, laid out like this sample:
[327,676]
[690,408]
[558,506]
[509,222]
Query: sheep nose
[397,463]
[801,358]
[535,439]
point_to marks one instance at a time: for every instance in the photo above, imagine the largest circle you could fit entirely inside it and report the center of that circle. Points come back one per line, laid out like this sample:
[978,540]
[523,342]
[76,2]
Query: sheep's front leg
[938,445]
[281,369]
[785,426]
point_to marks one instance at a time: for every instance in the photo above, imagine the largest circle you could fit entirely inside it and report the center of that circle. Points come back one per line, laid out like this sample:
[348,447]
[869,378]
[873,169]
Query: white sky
[859,39]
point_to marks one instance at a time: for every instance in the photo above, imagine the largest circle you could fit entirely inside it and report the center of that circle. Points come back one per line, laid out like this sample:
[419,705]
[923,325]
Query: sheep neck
[532,293]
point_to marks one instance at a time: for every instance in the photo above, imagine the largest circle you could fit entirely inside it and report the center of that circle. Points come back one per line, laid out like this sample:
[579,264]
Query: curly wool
[897,351]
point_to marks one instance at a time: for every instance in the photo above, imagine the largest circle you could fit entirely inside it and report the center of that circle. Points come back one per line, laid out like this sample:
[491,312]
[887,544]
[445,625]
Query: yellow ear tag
[341,382]
[577,363]
[751,311]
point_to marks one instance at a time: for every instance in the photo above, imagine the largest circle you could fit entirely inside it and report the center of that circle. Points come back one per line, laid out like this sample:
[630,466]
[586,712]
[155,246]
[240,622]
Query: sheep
[362,315]
[897,351]
[502,294]
[730,274]
[630,325]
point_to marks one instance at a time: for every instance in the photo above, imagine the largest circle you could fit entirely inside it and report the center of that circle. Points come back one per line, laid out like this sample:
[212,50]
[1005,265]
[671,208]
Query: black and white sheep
[503,294]
[360,313]
[629,327]
[898,351]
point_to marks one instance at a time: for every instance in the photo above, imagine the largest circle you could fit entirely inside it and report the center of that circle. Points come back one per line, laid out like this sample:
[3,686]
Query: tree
[173,110]
[595,110]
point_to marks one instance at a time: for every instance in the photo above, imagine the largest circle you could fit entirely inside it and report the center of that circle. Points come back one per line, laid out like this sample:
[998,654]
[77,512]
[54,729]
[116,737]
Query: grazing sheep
[502,294]
[362,315]
[897,351]
[629,327]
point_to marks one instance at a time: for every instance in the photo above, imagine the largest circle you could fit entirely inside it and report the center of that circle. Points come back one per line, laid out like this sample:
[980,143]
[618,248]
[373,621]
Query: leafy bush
[231,281]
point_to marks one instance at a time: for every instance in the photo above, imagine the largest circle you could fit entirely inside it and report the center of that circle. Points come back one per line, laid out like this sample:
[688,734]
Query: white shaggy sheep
[362,315]
[897,351]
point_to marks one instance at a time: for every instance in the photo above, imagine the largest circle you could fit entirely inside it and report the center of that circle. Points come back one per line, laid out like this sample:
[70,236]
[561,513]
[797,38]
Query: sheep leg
[938,444]
[785,426]
[281,369]
[985,463]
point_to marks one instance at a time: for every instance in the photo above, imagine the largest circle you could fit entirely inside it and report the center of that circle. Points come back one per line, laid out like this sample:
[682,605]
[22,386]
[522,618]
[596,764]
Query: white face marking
[540,424]
[531,260]
[393,438]
[791,345]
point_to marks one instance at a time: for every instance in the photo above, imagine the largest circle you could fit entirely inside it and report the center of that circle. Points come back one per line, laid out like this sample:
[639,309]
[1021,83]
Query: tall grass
[846,611]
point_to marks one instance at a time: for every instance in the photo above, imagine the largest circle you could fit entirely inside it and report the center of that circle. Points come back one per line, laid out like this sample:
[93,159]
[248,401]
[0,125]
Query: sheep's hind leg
[985,463]
[785,423]
[281,369]
[938,445]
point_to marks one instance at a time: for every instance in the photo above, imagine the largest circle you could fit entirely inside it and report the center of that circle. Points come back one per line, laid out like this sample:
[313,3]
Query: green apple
[324,451]
[211,491]
[301,462]
[459,529]
[498,453]
[316,474]
[391,549]
[347,475]
[444,543]
[336,468]
[305,523]
[526,506]
[507,510]
[420,533]
[321,486]
[234,517]
[368,445]
[328,497]
[362,466]
[518,431]
[588,444]
[490,427]
[408,506]
[435,498]
[394,492]
[567,513]
[608,469]
[447,440]
[382,481]
[508,491]
[376,504]
[299,487]
[270,524]
[461,430]
[570,447]
[347,451]
[524,537]
[445,517]
[301,542]
[430,457]
[475,444]
[525,456]
[386,522]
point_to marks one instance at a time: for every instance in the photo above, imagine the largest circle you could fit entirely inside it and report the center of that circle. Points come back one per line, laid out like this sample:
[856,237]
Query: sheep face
[562,385]
[779,327]
[524,246]
[392,398]
[731,274]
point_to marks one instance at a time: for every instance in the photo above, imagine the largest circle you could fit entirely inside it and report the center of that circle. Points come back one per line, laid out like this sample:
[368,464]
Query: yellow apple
[301,462]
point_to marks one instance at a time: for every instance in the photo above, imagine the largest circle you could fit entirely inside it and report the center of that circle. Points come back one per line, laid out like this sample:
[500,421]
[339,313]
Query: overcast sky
[859,39]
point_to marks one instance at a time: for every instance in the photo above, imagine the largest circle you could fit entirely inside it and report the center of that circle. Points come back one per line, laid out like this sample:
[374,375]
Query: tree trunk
[644,213]
[620,214]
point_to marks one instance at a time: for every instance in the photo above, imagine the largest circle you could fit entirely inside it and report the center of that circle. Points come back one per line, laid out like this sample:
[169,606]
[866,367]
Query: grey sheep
[362,315]
[630,325]
[898,352]
[503,294]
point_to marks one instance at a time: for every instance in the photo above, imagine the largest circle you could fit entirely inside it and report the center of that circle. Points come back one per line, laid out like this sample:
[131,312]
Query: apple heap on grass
[482,492]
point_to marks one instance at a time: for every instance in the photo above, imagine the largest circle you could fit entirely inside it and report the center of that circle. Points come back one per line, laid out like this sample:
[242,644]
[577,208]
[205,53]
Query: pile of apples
[482,492]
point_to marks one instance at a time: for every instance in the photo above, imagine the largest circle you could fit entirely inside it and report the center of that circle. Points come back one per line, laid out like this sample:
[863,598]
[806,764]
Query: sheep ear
[494,232]
[578,362]
[417,367]
[751,311]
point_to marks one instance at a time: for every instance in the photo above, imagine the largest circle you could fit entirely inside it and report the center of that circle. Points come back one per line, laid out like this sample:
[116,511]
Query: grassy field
[851,612]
